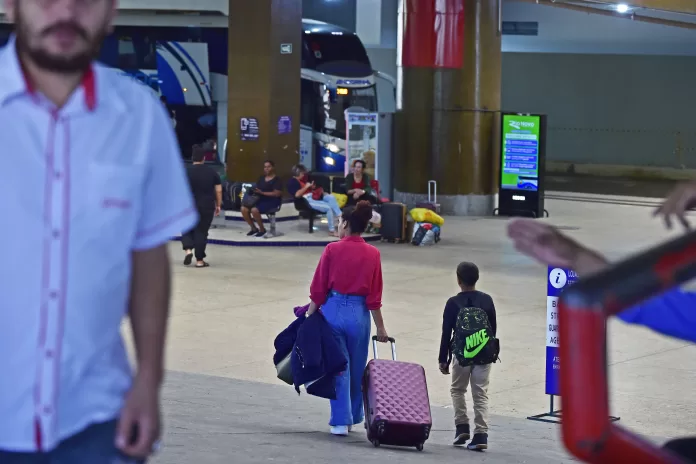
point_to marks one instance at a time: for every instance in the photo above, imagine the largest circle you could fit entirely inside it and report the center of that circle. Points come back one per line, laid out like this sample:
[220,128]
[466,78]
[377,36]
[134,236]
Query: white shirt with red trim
[81,187]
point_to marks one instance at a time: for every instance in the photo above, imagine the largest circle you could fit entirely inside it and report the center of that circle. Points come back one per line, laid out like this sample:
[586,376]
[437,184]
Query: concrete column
[448,103]
[263,84]
[368,22]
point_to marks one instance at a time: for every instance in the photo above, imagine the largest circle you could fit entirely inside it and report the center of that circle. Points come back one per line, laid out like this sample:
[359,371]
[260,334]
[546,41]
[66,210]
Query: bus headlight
[333,148]
[330,161]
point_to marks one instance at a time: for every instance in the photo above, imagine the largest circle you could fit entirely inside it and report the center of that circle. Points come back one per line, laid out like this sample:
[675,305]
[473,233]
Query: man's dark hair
[269,162]
[198,154]
[467,274]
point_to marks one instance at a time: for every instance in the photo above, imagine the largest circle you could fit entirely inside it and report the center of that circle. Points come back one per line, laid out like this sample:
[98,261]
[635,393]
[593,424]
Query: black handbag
[250,198]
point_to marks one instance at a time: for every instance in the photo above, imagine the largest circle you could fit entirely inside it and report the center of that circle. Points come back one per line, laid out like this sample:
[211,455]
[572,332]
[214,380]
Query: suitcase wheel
[375,443]
[419,447]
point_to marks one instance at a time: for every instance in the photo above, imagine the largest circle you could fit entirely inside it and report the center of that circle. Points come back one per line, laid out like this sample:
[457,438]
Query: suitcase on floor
[393,222]
[397,406]
[432,203]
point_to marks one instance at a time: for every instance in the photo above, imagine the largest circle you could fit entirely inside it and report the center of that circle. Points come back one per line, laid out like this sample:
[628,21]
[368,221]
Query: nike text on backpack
[473,342]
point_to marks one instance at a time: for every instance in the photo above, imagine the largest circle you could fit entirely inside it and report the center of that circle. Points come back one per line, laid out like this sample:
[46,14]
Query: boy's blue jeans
[349,318]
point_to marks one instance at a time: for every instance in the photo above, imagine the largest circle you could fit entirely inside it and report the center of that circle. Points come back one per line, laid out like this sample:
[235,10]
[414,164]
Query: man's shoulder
[134,94]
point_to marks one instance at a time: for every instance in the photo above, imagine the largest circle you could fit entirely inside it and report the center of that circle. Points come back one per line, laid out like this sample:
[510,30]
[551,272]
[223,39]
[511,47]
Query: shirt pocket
[113,199]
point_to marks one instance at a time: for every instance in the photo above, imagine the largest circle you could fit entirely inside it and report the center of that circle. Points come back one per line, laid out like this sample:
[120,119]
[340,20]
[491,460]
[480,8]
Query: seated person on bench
[269,190]
[301,186]
[358,185]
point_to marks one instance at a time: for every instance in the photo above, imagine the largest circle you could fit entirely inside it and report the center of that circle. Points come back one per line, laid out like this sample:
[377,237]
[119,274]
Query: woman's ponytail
[358,216]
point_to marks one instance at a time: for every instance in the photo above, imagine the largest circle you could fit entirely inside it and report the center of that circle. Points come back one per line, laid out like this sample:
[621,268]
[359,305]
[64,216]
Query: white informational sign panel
[307,147]
[559,279]
[362,135]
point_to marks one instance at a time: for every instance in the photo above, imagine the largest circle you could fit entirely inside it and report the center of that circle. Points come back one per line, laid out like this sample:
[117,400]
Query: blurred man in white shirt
[95,188]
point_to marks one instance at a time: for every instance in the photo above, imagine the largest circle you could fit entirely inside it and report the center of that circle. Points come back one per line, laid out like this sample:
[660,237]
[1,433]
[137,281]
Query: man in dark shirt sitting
[268,196]
[477,375]
[207,193]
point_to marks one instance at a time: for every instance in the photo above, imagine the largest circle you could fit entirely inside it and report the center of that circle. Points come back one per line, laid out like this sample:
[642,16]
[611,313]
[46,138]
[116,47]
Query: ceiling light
[622,8]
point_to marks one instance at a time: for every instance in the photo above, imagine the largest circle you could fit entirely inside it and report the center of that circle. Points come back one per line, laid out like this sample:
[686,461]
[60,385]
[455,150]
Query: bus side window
[308,103]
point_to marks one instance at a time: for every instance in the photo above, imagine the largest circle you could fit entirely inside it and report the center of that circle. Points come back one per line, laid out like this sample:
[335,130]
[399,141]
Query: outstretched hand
[543,242]
[681,200]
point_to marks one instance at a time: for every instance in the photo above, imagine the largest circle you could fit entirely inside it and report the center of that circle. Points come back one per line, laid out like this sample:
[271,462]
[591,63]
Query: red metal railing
[583,309]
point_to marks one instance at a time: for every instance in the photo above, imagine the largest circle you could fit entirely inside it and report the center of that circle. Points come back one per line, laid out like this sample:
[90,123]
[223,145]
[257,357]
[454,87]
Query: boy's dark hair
[467,274]
[269,162]
[198,154]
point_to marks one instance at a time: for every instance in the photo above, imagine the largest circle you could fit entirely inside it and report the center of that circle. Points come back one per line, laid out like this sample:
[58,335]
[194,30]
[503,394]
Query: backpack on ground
[473,342]
[228,195]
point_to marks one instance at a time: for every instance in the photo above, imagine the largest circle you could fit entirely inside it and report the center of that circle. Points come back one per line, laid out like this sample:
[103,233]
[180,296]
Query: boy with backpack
[469,344]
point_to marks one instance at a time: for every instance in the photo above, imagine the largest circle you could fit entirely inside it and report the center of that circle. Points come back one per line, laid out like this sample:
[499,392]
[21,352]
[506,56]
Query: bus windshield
[365,98]
[342,54]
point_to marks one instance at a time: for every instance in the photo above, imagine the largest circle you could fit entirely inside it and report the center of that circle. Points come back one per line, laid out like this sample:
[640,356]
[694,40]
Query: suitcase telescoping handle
[392,342]
[432,191]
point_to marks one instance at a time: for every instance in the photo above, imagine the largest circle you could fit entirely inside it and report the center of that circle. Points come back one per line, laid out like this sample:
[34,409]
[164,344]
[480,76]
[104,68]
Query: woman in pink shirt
[347,286]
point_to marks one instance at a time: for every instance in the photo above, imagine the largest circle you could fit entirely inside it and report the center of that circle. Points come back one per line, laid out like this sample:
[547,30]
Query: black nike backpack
[473,342]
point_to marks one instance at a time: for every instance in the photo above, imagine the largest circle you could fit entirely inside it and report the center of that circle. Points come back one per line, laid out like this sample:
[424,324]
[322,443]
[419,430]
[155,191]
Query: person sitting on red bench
[358,186]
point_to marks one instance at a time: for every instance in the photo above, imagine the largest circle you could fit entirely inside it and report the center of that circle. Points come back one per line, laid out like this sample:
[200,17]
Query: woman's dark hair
[298,170]
[358,216]
[269,162]
[356,162]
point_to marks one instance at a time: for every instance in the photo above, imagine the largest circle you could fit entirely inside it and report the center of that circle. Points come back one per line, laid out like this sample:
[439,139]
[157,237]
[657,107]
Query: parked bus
[182,55]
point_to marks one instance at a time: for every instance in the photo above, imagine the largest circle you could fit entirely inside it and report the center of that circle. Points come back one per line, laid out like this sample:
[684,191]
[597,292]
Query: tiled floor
[224,405]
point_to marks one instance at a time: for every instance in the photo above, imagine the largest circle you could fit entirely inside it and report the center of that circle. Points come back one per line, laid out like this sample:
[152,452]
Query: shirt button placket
[56,236]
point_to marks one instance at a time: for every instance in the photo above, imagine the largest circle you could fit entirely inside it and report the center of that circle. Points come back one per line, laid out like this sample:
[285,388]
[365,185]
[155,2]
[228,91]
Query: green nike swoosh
[474,352]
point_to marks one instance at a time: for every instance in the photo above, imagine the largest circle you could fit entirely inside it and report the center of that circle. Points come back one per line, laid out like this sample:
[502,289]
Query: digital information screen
[520,152]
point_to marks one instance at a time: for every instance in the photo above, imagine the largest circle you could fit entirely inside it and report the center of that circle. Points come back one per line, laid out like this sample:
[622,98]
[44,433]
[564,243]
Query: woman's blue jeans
[349,318]
[327,205]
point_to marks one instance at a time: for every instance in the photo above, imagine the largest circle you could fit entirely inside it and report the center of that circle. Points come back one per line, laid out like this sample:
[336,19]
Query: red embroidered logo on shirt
[116,203]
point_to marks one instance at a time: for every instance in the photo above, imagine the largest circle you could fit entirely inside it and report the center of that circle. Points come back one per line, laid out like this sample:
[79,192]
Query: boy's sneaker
[461,435]
[260,234]
[252,232]
[479,442]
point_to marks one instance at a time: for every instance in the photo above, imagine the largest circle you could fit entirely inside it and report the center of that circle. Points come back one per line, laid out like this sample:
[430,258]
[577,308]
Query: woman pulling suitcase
[347,286]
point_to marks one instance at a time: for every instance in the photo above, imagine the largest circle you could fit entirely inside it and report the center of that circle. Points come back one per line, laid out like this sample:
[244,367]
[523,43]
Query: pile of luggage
[426,230]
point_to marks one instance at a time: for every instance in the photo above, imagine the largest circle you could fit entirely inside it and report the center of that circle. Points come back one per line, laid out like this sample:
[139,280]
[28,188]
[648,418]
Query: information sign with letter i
[558,279]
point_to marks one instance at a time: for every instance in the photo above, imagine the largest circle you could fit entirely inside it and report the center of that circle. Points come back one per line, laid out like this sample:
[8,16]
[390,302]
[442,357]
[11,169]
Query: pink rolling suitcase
[397,406]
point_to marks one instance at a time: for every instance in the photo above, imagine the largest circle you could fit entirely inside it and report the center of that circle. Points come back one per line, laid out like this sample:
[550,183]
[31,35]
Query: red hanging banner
[432,33]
